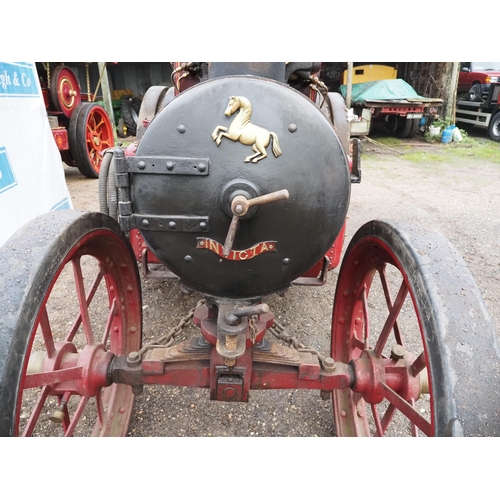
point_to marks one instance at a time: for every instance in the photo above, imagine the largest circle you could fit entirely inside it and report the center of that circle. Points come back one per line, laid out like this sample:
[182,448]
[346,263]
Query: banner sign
[18,80]
[32,178]
[249,253]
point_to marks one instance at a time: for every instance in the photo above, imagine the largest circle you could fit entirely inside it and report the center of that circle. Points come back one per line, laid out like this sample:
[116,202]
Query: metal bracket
[315,281]
[356,161]
[154,274]
[172,223]
[229,384]
[168,165]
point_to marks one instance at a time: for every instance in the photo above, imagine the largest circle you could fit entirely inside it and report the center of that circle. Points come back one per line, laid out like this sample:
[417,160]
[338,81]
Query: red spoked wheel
[410,320]
[65,90]
[90,134]
[74,302]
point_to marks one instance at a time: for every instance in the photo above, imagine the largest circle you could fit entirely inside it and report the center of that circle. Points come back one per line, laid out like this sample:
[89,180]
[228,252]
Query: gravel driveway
[458,197]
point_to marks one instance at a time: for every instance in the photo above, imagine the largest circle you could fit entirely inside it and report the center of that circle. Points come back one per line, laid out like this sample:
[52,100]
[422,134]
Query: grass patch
[437,152]
[392,142]
[424,157]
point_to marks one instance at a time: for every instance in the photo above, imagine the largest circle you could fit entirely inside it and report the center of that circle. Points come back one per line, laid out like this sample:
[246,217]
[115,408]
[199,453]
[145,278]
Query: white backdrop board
[31,173]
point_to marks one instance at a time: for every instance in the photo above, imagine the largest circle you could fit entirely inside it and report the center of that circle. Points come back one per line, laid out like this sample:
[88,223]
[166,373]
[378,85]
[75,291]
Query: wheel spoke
[84,311]
[391,319]
[357,344]
[376,417]
[413,427]
[52,378]
[386,419]
[48,339]
[76,417]
[100,410]
[419,364]
[35,414]
[109,323]
[90,296]
[407,409]
[388,299]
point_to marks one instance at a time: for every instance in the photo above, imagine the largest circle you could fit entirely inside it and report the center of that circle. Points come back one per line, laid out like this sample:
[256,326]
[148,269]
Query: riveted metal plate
[172,223]
[168,165]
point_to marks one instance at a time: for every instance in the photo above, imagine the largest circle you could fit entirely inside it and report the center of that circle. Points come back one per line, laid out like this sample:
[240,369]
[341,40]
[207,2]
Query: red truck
[477,77]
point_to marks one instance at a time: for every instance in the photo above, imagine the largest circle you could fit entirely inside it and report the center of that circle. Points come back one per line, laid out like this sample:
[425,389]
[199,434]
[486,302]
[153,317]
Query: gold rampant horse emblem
[245,132]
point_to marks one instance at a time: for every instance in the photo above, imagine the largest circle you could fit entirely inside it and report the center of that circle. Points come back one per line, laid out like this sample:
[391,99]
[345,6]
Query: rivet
[188,258]
[122,409]
[343,414]
[170,165]
[357,321]
[141,165]
[203,225]
[123,265]
[202,167]
[133,329]
[172,224]
[130,288]
[345,294]
[181,129]
[342,321]
[116,329]
[292,127]
[145,222]
[286,261]
[360,413]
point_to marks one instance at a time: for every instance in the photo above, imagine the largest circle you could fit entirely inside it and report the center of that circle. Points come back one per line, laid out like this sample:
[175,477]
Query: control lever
[233,318]
[240,206]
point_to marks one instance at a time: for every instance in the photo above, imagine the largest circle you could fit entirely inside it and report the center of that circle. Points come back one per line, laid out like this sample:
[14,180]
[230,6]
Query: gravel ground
[459,198]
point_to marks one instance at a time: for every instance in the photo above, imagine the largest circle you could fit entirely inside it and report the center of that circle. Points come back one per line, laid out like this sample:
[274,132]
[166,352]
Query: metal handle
[240,206]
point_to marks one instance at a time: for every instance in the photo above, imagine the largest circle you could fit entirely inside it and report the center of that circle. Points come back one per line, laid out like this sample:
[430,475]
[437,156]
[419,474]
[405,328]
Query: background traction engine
[240,186]
[81,127]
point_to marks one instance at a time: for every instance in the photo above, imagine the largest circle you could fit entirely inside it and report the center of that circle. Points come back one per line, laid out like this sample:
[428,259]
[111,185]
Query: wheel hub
[82,373]
[374,374]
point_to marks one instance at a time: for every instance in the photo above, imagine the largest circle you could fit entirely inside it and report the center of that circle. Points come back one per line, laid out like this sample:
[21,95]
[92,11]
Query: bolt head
[397,352]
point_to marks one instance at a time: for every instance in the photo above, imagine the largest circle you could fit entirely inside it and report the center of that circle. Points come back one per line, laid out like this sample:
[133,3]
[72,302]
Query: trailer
[484,114]
[393,102]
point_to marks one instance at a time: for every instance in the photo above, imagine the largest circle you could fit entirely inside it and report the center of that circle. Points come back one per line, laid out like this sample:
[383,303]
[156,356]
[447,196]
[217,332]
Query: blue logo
[18,80]
[7,177]
[62,205]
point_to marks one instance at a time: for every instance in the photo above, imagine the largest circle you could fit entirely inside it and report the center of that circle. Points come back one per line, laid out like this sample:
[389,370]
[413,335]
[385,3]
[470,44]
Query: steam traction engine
[81,127]
[240,186]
